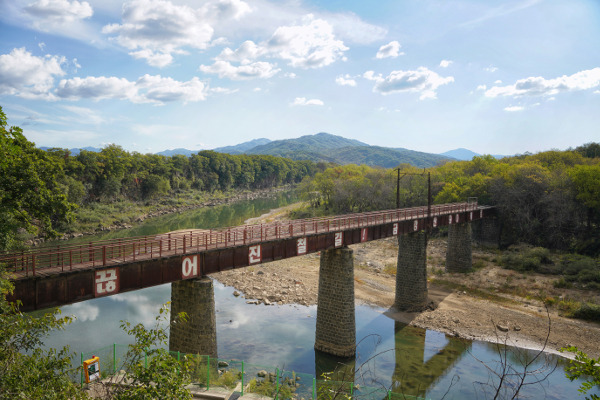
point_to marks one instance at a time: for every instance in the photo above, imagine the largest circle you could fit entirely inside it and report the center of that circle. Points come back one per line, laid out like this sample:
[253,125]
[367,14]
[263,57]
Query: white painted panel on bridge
[471,216]
[107,282]
[435,222]
[254,254]
[480,213]
[450,220]
[416,225]
[363,235]
[457,218]
[339,239]
[301,246]
[395,229]
[189,267]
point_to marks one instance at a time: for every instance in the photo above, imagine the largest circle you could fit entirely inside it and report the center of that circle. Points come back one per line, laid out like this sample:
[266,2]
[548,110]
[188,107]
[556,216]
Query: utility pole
[398,189]
[428,193]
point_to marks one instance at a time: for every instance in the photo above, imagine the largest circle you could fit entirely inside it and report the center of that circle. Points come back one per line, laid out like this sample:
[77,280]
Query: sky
[496,77]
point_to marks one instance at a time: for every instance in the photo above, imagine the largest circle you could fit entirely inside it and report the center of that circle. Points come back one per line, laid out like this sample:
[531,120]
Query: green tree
[152,373]
[31,198]
[26,370]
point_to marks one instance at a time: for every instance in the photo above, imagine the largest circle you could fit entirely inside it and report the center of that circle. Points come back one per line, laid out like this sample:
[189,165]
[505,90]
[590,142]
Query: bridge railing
[51,260]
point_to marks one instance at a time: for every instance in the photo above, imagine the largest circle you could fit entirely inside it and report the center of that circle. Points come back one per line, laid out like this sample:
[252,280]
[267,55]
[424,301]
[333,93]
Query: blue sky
[499,77]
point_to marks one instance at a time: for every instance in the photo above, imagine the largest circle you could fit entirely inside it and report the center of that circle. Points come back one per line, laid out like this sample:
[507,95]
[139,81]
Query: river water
[391,355]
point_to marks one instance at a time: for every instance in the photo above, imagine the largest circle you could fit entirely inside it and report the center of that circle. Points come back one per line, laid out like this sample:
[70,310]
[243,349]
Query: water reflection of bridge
[417,368]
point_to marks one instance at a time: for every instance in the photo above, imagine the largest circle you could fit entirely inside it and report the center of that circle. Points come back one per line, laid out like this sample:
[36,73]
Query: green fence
[207,372]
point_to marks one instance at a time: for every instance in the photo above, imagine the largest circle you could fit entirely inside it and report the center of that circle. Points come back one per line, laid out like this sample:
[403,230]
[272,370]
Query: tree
[31,198]
[151,372]
[26,370]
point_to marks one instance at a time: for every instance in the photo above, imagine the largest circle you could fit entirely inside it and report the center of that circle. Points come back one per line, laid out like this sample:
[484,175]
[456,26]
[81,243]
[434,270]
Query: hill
[308,144]
[461,154]
[332,148]
[242,147]
[178,151]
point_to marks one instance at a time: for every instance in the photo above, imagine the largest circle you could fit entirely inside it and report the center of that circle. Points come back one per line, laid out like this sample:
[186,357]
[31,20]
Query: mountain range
[328,148]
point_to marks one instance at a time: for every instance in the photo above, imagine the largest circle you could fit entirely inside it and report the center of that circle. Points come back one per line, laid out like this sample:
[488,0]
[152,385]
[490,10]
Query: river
[389,354]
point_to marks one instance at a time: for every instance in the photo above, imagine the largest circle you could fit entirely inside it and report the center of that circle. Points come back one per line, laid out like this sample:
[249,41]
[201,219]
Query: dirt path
[464,313]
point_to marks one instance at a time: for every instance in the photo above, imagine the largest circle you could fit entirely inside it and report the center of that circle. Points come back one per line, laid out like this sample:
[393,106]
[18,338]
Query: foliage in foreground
[584,367]
[163,377]
[26,370]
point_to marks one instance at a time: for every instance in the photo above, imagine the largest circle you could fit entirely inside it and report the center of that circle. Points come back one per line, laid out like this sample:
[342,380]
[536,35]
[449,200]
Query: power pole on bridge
[428,192]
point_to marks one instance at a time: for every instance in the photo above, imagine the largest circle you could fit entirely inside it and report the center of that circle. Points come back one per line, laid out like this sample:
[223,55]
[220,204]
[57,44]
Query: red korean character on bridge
[338,239]
[254,255]
[301,246]
[107,282]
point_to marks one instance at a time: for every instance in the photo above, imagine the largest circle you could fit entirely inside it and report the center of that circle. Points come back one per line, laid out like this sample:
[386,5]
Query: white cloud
[156,29]
[538,86]
[147,89]
[247,52]
[25,75]
[50,14]
[96,88]
[224,69]
[514,108]
[345,80]
[302,101]
[421,80]
[349,26]
[83,115]
[481,87]
[392,49]
[222,90]
[445,63]
[491,69]
[160,90]
[311,45]
[497,82]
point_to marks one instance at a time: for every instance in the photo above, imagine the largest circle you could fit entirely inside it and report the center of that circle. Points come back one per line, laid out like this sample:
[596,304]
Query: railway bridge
[53,276]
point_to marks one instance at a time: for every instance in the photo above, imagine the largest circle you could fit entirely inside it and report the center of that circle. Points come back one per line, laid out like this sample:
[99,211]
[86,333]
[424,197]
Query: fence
[268,381]
[69,257]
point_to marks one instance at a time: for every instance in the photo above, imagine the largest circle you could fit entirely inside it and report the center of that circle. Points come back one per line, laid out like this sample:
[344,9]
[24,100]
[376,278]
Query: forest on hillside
[549,199]
[40,190]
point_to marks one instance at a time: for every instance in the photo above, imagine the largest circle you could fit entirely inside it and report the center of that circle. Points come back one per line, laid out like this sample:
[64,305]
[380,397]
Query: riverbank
[102,217]
[473,306]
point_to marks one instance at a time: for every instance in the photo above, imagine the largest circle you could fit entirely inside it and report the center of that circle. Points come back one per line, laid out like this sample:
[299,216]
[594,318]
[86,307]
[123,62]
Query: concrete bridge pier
[198,335]
[459,254]
[336,326]
[411,273]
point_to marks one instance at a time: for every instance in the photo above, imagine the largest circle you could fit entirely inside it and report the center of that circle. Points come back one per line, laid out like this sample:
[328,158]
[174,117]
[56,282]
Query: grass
[476,292]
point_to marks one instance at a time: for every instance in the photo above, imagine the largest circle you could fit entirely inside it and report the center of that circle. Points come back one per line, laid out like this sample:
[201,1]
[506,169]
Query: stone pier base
[336,327]
[411,273]
[459,254]
[198,335]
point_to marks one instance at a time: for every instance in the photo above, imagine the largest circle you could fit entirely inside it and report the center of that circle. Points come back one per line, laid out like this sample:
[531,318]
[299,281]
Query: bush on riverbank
[575,269]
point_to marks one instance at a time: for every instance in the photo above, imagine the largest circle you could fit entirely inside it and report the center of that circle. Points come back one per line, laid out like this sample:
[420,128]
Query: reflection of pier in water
[413,375]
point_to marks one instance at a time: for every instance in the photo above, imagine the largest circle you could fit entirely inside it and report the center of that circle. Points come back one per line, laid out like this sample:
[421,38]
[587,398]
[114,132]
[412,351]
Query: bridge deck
[46,261]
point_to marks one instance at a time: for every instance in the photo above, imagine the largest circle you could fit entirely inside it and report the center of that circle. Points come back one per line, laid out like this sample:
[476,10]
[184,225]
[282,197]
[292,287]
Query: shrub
[528,259]
[562,284]
[587,311]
